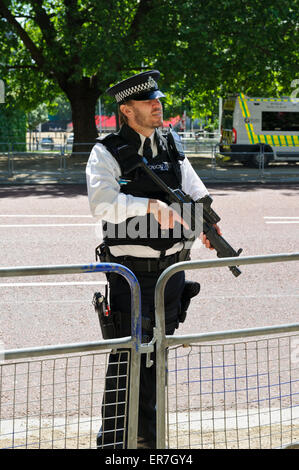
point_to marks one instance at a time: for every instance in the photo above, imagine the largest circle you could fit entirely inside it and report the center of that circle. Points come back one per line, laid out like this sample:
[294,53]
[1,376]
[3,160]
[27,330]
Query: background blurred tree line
[203,49]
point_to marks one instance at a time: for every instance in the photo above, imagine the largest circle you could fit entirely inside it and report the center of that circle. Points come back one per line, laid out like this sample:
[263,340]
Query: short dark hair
[122,118]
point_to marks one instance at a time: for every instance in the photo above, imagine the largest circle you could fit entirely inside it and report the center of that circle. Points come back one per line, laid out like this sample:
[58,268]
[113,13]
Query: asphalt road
[51,224]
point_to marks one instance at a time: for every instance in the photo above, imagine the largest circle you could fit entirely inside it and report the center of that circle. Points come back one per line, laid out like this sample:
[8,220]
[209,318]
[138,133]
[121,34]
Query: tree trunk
[83,99]
[84,127]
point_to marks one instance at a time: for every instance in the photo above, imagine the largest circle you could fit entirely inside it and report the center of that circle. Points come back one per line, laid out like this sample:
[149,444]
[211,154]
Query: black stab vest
[143,230]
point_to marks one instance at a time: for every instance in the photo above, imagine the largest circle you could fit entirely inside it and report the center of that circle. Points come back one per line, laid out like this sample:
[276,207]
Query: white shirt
[109,204]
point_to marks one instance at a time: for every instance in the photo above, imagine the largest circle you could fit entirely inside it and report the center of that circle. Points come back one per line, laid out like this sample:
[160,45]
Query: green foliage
[204,49]
[60,108]
[37,116]
[12,127]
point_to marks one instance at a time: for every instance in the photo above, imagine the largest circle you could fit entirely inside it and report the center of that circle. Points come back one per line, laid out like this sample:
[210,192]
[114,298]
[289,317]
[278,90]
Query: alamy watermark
[141,227]
[2,91]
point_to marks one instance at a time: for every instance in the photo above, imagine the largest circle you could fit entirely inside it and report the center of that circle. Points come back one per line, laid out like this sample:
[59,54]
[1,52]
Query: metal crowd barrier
[64,165]
[232,371]
[33,415]
[228,372]
[59,163]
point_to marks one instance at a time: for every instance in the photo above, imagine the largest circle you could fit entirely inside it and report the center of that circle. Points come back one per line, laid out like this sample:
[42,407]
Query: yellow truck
[256,131]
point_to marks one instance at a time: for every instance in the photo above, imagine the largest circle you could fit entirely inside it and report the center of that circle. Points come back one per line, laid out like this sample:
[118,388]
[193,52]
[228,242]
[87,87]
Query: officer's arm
[193,185]
[191,182]
[105,199]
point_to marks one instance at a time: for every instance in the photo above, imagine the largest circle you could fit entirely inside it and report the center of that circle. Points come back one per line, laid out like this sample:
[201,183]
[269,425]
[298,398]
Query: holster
[110,322]
[101,253]
[191,289]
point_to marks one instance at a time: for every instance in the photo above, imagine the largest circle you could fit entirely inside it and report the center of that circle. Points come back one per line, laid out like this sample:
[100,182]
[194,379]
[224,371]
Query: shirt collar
[142,138]
[154,147]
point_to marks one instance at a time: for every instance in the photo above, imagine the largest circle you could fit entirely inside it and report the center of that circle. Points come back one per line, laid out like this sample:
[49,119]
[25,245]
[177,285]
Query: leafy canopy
[202,48]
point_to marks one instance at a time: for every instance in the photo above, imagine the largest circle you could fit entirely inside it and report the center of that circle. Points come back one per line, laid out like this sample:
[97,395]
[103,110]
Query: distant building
[55,126]
[103,123]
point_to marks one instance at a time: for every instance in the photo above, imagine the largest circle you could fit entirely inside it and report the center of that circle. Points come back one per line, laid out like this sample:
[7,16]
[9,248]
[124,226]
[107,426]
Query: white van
[256,129]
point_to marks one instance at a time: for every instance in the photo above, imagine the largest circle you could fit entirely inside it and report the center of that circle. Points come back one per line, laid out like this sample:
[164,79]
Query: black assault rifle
[209,216]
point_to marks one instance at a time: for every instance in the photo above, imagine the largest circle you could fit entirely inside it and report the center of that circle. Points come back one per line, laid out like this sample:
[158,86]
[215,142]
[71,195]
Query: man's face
[144,116]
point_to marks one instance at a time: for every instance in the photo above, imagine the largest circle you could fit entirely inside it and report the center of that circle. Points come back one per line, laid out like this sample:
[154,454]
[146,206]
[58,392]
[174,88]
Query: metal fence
[59,164]
[54,401]
[63,165]
[233,395]
[225,390]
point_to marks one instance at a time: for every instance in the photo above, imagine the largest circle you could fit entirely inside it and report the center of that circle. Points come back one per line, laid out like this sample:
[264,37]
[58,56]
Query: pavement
[56,169]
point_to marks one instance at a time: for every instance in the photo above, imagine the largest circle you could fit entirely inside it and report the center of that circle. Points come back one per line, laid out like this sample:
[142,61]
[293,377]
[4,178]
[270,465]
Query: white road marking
[281,220]
[40,284]
[44,215]
[45,225]
[45,302]
[103,283]
[253,296]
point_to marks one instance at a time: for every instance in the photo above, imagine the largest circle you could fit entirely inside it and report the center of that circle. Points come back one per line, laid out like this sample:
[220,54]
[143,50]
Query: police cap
[142,86]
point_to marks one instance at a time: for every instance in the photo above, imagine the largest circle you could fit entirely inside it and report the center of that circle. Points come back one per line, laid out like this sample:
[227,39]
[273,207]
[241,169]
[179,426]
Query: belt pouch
[107,319]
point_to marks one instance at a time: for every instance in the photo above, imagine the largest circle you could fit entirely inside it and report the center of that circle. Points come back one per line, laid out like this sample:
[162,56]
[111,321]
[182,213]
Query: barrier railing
[65,165]
[284,376]
[163,342]
[132,343]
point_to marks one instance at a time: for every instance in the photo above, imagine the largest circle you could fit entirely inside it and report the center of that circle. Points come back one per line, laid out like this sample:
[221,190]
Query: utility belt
[114,323]
[137,264]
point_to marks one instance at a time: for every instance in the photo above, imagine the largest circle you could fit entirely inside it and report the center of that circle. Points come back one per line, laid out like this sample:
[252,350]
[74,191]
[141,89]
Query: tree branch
[11,67]
[45,25]
[144,8]
[36,53]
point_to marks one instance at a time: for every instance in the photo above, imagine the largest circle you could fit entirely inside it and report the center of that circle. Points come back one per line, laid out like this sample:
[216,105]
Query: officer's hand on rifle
[204,239]
[165,215]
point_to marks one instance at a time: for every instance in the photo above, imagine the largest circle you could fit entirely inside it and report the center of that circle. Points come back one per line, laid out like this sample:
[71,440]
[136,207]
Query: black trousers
[115,400]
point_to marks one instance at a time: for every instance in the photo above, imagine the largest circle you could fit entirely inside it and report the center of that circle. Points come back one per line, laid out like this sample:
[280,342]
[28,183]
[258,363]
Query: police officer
[139,232]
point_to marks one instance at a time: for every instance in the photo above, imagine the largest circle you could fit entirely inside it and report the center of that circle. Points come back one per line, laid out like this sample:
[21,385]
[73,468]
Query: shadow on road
[43,190]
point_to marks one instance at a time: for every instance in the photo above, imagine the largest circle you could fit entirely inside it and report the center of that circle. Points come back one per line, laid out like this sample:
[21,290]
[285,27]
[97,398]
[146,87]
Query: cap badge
[152,82]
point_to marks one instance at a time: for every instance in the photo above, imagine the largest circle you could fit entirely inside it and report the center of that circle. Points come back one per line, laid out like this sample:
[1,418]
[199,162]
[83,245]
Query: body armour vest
[143,230]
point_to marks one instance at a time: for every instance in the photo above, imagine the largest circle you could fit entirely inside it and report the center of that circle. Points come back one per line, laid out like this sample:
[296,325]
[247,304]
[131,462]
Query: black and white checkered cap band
[149,85]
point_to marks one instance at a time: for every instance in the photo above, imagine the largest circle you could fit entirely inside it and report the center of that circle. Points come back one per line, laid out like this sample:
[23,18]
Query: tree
[80,47]
[75,46]
[37,116]
[12,128]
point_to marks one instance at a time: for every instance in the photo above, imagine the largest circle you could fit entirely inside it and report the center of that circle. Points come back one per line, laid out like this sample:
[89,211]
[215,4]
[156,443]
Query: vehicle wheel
[254,160]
